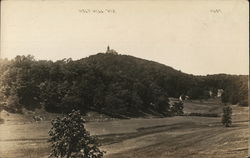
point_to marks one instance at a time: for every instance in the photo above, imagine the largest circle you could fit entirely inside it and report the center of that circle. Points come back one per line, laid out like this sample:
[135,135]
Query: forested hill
[108,83]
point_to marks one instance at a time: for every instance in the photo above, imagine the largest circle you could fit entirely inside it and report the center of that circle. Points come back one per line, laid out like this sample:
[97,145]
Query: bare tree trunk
[69,152]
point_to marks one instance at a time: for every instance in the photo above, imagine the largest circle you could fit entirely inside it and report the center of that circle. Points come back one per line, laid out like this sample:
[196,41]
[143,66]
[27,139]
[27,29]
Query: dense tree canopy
[117,85]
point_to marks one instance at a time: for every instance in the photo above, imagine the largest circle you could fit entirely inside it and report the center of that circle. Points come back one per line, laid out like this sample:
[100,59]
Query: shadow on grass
[35,152]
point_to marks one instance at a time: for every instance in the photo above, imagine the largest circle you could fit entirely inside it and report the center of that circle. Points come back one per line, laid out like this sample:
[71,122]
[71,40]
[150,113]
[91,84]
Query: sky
[197,37]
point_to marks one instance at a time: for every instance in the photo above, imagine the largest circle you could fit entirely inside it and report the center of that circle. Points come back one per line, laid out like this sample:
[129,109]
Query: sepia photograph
[124,79]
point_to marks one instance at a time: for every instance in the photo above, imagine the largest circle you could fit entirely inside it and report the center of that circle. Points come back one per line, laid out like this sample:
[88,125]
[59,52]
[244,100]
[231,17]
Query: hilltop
[109,83]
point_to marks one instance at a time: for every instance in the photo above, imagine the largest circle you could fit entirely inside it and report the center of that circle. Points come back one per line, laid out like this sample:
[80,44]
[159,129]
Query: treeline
[117,85]
[235,88]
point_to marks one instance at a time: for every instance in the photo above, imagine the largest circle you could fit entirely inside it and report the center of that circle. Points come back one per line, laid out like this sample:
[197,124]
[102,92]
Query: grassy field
[173,137]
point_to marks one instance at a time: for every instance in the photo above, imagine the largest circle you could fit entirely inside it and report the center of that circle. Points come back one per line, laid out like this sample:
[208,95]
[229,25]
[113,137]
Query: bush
[227,116]
[70,139]
[177,109]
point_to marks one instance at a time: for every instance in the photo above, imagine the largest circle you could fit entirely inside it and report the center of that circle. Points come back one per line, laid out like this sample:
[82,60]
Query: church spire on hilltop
[111,51]
[108,49]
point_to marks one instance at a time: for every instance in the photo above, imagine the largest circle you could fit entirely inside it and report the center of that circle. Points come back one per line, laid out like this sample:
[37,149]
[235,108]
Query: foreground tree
[70,139]
[227,116]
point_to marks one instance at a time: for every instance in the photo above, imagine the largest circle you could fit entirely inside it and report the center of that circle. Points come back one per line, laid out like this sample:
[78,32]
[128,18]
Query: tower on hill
[111,51]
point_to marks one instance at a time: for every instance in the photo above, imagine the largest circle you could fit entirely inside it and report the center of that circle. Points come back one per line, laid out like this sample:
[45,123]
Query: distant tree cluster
[117,85]
[235,88]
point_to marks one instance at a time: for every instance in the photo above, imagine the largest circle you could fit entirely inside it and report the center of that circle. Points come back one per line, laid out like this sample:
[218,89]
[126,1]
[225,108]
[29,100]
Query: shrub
[177,108]
[70,139]
[227,116]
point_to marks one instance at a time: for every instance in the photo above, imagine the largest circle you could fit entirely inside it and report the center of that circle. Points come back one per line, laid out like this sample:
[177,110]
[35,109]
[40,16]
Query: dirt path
[197,142]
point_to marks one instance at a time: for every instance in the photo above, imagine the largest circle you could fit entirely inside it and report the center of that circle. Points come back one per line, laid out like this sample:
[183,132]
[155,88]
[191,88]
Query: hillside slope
[116,85]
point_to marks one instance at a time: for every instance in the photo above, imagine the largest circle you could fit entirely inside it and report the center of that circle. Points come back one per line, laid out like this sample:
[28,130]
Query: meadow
[171,137]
